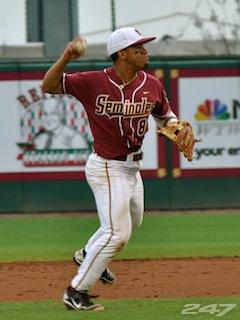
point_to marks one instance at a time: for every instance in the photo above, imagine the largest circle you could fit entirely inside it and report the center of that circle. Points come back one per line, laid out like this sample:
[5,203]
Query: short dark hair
[114,56]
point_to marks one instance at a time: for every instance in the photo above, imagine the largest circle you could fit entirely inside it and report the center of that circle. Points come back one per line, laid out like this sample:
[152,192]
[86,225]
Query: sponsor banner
[210,100]
[47,136]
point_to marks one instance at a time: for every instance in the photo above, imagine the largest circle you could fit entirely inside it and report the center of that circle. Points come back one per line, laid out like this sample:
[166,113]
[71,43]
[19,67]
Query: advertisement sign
[47,136]
[210,100]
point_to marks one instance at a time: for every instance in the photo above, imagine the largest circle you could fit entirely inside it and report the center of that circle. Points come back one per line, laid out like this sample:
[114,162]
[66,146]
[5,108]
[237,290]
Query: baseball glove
[181,134]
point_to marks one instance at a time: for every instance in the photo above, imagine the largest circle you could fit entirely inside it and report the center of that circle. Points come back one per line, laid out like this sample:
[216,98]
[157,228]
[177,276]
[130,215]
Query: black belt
[136,157]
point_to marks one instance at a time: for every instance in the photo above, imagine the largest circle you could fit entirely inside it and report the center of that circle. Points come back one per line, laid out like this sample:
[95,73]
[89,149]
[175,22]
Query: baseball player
[118,101]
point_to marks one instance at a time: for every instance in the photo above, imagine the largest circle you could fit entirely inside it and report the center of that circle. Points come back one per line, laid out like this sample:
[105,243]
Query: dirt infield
[163,278]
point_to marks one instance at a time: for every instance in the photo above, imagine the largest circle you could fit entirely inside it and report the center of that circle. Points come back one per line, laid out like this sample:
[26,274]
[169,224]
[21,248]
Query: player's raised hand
[75,49]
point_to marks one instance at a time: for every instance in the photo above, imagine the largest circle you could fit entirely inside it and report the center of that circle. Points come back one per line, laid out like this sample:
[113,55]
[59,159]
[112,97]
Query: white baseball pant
[118,190]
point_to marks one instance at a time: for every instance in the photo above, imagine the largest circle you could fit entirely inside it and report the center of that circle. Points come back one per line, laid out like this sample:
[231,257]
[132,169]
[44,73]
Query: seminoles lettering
[127,109]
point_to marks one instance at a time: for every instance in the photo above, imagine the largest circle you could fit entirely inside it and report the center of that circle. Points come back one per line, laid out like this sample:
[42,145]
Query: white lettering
[126,109]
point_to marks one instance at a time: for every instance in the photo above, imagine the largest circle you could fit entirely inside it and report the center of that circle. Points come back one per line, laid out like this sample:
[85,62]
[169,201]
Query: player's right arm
[52,81]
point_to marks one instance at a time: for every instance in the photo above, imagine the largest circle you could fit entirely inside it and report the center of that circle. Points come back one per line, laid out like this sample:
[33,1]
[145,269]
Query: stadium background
[203,44]
[195,41]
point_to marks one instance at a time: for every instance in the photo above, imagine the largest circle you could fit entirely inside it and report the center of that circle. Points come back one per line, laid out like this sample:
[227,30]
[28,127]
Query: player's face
[137,56]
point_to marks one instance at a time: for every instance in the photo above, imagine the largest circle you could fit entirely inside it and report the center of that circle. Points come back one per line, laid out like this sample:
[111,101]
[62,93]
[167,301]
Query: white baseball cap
[125,37]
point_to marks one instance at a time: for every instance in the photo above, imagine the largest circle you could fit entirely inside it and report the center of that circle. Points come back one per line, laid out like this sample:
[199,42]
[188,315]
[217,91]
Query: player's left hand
[181,133]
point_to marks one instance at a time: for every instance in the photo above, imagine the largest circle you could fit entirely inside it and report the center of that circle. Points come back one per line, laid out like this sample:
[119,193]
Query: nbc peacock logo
[212,110]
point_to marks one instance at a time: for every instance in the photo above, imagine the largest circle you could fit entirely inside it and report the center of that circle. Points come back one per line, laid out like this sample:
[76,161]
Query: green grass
[168,235]
[137,309]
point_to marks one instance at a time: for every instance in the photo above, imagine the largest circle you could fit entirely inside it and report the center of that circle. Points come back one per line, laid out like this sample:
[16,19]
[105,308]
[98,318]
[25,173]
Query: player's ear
[122,54]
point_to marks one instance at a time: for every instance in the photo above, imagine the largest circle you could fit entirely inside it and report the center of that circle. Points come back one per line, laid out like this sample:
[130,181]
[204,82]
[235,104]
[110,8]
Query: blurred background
[196,56]
[41,28]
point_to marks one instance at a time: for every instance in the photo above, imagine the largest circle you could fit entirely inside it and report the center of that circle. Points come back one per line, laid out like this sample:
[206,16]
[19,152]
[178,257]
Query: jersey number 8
[141,127]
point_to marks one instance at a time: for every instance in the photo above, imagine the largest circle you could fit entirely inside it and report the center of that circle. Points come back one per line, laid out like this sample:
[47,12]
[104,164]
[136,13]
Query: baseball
[81,46]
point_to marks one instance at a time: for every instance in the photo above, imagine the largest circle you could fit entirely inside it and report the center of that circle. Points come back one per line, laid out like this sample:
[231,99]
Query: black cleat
[106,277]
[79,300]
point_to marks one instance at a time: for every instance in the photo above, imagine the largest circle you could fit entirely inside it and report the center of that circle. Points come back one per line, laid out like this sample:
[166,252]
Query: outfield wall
[36,178]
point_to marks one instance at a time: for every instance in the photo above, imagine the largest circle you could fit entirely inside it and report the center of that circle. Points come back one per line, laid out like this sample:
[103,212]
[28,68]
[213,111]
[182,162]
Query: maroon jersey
[118,113]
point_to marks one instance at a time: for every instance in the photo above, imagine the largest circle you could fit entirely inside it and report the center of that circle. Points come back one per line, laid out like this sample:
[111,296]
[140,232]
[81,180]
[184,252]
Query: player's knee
[121,240]
[137,218]
[136,222]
